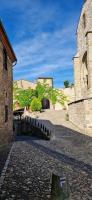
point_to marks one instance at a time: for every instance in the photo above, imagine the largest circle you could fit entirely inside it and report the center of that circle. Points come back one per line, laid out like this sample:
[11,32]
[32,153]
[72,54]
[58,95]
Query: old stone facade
[80,111]
[24,84]
[7,58]
[47,80]
[70,94]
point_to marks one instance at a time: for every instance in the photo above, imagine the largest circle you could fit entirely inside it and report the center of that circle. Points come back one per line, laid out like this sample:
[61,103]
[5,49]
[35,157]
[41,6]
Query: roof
[5,41]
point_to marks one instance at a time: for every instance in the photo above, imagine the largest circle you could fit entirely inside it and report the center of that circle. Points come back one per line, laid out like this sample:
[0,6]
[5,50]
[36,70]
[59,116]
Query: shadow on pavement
[60,132]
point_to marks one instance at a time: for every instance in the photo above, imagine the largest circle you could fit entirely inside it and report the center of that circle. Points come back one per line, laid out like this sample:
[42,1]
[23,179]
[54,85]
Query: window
[5,59]
[85,70]
[84,20]
[6,113]
[87,80]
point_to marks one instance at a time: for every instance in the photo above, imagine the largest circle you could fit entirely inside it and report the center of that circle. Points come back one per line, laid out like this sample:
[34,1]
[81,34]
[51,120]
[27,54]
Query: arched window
[85,69]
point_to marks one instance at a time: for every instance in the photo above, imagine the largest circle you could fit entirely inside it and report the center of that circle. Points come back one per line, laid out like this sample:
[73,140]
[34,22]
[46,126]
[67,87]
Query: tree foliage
[62,98]
[52,95]
[41,90]
[36,104]
[33,97]
[66,84]
[24,97]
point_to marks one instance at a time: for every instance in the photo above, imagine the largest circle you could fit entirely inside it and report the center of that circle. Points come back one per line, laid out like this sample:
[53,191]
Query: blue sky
[42,33]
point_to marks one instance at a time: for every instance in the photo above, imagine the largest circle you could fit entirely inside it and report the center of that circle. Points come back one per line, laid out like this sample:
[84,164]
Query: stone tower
[46,80]
[83,57]
[80,111]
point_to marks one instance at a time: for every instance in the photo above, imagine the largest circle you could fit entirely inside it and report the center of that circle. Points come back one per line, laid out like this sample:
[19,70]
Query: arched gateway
[45,103]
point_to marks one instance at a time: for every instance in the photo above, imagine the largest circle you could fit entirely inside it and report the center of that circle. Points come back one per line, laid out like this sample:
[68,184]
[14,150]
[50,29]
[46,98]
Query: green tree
[25,97]
[36,104]
[41,90]
[22,97]
[52,96]
[66,84]
[62,98]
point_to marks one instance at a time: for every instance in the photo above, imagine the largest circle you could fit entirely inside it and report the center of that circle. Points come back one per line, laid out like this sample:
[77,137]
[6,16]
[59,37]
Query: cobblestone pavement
[29,174]
[4,150]
[32,162]
[67,139]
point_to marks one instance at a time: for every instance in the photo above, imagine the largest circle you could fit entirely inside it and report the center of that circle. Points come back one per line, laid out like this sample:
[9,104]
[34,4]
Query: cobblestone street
[29,174]
[4,150]
[46,100]
[32,162]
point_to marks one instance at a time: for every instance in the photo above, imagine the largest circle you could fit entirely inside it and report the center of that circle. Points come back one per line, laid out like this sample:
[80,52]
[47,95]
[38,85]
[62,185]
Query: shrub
[35,104]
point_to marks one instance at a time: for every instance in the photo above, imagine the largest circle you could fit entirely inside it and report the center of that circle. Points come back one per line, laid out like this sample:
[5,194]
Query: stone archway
[45,103]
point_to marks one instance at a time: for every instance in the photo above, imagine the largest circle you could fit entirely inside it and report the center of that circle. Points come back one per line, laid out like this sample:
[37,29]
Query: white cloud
[45,48]
[35,72]
[43,35]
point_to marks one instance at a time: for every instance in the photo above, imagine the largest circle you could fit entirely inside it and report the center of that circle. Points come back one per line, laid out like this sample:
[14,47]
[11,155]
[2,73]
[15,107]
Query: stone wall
[70,93]
[80,114]
[6,128]
[25,84]
[77,114]
[44,80]
[88,116]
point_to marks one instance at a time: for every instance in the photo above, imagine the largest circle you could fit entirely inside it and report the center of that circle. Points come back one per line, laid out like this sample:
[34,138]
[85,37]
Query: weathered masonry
[7,58]
[46,80]
[80,111]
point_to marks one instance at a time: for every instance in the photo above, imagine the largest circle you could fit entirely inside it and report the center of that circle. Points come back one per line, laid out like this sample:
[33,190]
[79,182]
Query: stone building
[24,84]
[47,80]
[80,111]
[7,59]
[70,94]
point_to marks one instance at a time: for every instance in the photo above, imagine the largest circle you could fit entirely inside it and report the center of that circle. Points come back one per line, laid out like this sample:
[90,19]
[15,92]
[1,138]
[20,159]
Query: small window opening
[84,20]
[5,59]
[6,113]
